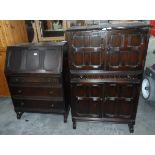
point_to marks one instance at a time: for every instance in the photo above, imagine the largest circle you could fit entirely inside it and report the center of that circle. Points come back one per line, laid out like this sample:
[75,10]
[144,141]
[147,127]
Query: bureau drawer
[36,91]
[29,79]
[38,105]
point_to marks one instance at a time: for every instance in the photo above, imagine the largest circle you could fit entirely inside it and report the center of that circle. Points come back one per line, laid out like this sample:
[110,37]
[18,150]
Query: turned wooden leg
[131,128]
[65,118]
[19,114]
[74,124]
[66,114]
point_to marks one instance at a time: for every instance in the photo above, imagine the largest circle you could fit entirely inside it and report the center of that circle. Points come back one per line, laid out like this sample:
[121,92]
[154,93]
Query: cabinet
[11,32]
[35,75]
[106,65]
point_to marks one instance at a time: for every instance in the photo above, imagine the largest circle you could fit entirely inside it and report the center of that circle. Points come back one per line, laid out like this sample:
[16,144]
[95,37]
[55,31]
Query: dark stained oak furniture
[35,75]
[106,65]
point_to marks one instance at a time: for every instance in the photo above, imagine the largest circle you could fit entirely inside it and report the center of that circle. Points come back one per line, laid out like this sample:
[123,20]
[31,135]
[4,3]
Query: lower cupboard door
[87,107]
[120,100]
[118,107]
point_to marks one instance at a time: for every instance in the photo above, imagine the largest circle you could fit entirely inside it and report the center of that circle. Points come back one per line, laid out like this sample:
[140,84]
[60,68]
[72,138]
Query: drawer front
[127,77]
[38,105]
[28,79]
[36,91]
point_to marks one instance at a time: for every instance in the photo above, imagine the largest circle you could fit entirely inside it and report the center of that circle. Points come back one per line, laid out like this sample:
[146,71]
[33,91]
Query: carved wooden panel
[87,107]
[120,99]
[109,100]
[87,99]
[126,50]
[87,50]
[88,90]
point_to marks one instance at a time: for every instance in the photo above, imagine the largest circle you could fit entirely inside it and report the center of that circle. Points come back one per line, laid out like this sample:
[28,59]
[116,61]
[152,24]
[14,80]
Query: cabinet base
[130,123]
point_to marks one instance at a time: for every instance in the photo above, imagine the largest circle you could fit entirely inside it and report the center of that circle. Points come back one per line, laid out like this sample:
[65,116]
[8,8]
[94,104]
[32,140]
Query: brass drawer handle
[81,76]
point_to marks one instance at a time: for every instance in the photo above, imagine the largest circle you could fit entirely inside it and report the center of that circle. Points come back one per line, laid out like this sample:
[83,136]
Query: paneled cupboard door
[87,50]
[107,100]
[126,50]
[111,50]
[120,100]
[86,100]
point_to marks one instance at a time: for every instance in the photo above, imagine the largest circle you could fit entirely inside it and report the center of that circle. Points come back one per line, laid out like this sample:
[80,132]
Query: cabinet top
[109,26]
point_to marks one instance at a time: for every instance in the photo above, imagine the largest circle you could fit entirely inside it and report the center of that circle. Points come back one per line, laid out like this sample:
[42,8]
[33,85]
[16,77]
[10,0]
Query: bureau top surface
[108,26]
[40,44]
